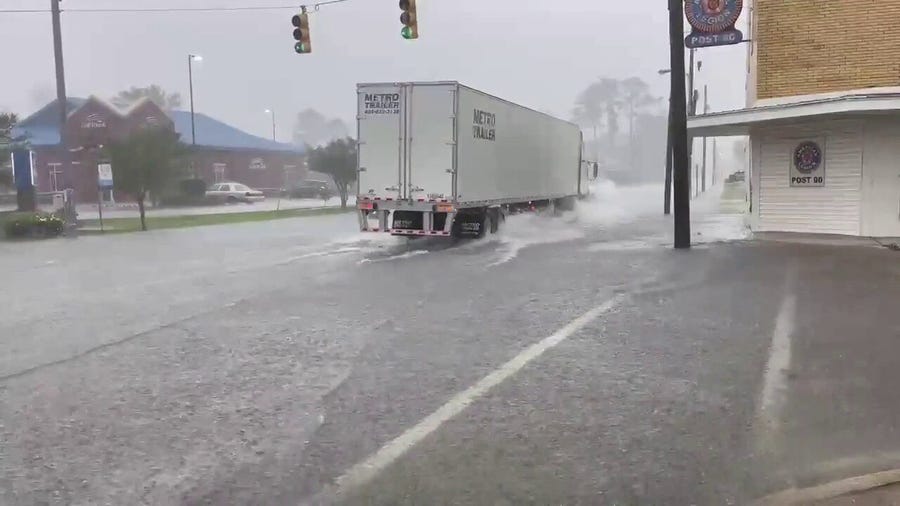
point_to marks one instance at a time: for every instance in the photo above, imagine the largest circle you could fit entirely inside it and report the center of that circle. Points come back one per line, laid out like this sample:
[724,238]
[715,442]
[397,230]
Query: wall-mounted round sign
[713,16]
[807,157]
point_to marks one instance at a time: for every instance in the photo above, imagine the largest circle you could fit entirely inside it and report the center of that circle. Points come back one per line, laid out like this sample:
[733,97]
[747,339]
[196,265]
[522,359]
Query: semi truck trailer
[444,160]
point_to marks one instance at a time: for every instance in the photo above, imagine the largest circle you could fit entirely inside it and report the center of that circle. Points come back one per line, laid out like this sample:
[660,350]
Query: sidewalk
[130,210]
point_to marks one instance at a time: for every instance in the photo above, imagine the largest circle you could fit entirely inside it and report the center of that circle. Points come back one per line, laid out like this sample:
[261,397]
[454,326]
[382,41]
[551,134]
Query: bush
[35,225]
[193,187]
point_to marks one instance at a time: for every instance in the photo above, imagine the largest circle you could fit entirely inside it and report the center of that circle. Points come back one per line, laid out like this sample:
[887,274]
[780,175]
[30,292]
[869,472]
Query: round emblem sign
[713,16]
[807,157]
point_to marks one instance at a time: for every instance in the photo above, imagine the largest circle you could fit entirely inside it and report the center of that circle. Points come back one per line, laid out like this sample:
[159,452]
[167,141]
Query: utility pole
[61,99]
[715,160]
[691,111]
[705,110]
[667,206]
[678,126]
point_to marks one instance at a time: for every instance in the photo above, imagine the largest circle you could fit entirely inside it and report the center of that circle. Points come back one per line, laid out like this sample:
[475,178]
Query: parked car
[311,189]
[234,192]
[737,177]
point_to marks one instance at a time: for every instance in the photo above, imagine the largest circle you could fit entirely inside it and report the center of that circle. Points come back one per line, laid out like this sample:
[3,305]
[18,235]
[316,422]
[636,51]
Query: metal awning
[740,122]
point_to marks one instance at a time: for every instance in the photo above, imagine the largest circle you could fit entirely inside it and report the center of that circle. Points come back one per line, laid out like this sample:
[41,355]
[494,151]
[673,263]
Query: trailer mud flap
[408,220]
[468,226]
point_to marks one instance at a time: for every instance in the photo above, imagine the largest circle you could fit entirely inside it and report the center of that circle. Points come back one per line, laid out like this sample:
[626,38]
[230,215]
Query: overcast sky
[539,53]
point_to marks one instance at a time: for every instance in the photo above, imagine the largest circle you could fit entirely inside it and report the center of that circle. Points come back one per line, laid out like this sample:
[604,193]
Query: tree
[601,100]
[8,121]
[337,159]
[312,128]
[159,96]
[147,161]
[636,97]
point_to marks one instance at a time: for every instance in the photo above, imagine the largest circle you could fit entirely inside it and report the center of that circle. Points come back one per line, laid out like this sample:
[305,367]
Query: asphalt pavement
[566,360]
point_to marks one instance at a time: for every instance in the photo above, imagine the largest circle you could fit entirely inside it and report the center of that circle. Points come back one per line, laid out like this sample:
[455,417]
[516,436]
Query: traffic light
[409,20]
[301,33]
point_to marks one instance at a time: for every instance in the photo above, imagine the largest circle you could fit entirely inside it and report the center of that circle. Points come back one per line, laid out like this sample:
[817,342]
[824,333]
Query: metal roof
[41,129]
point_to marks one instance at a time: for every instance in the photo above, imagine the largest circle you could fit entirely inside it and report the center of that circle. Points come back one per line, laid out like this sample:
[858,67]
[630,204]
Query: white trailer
[443,159]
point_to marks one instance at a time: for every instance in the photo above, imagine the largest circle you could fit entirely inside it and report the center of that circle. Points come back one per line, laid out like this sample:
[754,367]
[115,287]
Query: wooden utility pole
[678,127]
[61,99]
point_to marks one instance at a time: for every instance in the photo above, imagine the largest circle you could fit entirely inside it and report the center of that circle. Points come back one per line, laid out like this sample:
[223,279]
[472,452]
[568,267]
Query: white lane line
[364,471]
[773,395]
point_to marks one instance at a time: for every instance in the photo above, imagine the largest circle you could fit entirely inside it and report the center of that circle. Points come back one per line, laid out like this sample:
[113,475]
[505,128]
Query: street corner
[876,489]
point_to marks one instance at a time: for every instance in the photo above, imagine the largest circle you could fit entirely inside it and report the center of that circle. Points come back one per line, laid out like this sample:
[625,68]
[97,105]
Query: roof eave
[740,122]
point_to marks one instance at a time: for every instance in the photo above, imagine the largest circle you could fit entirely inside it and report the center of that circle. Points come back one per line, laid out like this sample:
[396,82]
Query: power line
[175,9]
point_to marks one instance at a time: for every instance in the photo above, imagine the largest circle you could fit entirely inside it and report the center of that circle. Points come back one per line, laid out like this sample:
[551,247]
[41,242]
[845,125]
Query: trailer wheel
[495,215]
[469,225]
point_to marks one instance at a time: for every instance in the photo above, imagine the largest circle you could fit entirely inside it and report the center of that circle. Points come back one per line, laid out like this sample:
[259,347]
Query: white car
[234,192]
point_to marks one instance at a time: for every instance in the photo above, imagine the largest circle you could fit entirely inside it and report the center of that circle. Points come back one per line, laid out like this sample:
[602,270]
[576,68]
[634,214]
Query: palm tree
[154,92]
[636,96]
[603,99]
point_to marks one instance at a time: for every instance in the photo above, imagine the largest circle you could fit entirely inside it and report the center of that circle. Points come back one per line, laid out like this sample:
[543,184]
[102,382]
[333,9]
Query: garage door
[830,209]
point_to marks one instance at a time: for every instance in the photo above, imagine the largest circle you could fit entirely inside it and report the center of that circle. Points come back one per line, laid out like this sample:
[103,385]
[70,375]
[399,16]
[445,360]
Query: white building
[854,189]
[823,117]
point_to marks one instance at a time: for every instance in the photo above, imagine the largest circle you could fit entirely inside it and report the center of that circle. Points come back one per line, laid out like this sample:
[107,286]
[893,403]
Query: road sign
[699,39]
[104,175]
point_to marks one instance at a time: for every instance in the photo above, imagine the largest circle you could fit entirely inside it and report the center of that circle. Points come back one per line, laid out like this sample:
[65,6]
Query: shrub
[36,225]
[193,187]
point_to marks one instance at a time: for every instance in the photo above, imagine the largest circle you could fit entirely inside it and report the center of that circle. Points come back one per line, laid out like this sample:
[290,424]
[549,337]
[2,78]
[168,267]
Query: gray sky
[539,53]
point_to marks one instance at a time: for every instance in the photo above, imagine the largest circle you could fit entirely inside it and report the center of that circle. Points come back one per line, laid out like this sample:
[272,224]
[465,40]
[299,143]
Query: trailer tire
[496,218]
[565,204]
[488,226]
[465,223]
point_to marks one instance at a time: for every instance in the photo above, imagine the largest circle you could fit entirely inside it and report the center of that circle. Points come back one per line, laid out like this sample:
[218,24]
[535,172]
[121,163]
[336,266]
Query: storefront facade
[823,119]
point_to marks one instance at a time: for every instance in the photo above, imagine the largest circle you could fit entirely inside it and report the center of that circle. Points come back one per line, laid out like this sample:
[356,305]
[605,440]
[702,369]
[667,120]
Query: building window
[56,179]
[219,172]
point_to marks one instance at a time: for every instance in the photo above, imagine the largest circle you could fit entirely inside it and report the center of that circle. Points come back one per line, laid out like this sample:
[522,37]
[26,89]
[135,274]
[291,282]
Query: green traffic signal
[409,19]
[301,33]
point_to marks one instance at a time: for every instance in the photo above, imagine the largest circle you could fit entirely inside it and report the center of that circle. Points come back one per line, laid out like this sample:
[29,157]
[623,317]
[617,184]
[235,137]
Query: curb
[831,490]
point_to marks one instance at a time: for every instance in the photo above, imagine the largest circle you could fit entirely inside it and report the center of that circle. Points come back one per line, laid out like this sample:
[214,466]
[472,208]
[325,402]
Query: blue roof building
[220,152]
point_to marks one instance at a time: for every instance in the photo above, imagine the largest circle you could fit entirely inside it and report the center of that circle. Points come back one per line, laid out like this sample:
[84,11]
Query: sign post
[104,182]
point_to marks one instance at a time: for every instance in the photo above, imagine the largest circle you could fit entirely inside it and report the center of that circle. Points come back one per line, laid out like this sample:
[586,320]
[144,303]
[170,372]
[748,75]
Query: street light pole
[678,127]
[191,59]
[272,112]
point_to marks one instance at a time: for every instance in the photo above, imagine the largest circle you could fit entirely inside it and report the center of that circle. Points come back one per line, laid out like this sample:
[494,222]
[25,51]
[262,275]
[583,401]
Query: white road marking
[365,471]
[773,396]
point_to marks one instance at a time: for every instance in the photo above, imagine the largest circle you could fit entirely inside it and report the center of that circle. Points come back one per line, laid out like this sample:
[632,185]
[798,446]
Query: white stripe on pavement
[365,471]
[773,396]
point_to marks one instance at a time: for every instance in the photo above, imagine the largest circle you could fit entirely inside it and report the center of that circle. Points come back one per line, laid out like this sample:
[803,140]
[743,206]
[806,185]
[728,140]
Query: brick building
[822,115]
[222,152]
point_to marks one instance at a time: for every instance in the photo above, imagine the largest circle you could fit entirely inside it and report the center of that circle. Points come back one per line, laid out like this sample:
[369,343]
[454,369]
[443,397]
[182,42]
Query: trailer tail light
[444,208]
[366,206]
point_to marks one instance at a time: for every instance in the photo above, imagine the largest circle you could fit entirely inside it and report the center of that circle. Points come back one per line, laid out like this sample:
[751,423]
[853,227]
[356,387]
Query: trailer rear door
[381,123]
[431,113]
